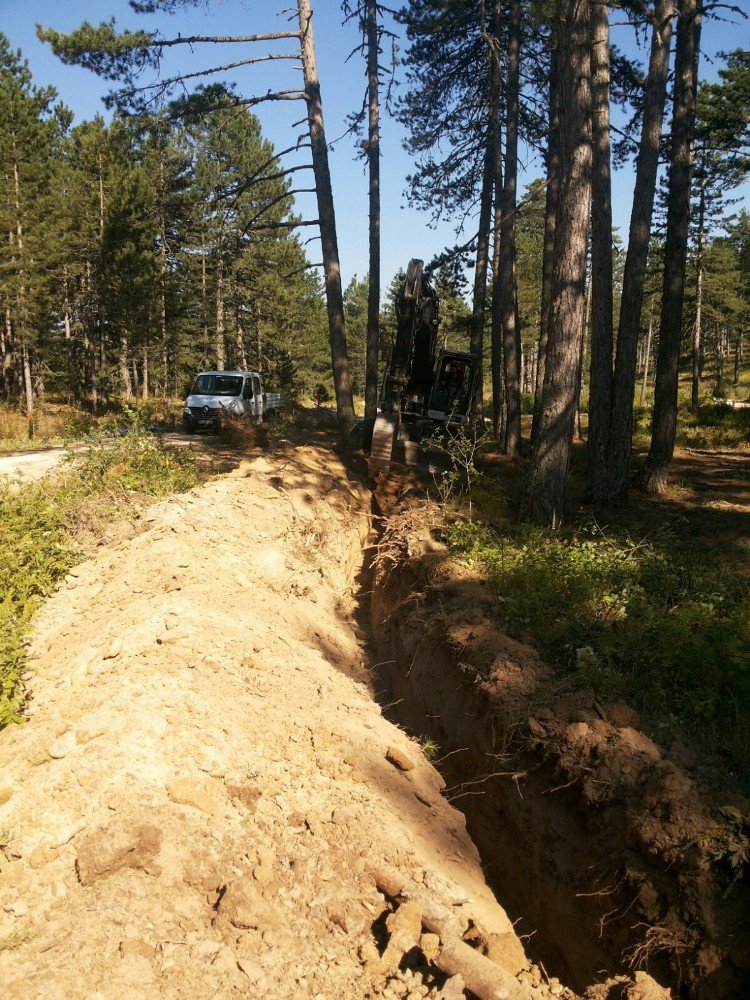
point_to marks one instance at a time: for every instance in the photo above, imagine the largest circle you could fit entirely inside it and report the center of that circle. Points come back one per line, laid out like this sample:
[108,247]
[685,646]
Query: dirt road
[28,466]
[207,800]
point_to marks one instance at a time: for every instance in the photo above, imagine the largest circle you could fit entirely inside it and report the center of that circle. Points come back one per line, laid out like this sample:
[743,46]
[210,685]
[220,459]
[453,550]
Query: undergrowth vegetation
[640,620]
[57,423]
[662,625]
[43,525]
[713,425]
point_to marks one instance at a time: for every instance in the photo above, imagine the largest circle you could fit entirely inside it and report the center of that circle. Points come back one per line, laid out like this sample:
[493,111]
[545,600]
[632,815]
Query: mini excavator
[424,388]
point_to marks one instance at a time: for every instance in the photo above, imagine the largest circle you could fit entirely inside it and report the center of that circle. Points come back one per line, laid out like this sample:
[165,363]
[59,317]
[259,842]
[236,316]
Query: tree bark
[479,296]
[6,349]
[623,392]
[649,337]
[721,353]
[737,359]
[327,221]
[496,305]
[664,423]
[144,380]
[582,359]
[511,329]
[239,342]
[373,162]
[697,328]
[550,219]
[600,292]
[70,347]
[545,491]
[127,385]
[28,389]
[219,347]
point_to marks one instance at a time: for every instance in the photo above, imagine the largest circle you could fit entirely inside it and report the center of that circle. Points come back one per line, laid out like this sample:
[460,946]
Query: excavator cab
[423,388]
[454,387]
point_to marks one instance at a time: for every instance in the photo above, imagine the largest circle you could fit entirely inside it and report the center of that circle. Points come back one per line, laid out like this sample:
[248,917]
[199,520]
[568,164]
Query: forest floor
[206,797]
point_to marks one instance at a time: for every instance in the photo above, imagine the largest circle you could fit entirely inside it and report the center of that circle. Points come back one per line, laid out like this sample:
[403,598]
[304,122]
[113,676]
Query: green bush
[639,620]
[39,524]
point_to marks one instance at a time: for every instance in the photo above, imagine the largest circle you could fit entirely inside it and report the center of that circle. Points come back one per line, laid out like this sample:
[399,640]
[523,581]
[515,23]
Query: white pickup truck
[238,393]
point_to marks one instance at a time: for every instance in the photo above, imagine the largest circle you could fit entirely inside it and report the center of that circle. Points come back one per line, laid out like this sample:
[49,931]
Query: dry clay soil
[207,801]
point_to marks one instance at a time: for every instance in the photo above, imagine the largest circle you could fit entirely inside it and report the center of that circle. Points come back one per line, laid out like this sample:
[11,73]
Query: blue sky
[405,232]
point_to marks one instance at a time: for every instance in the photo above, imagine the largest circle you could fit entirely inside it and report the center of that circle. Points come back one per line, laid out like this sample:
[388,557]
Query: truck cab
[213,393]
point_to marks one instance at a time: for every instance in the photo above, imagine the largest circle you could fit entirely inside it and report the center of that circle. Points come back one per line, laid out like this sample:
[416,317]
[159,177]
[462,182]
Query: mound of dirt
[206,799]
[633,863]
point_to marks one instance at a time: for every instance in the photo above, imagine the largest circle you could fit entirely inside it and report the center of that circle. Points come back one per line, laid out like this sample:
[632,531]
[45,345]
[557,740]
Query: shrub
[642,620]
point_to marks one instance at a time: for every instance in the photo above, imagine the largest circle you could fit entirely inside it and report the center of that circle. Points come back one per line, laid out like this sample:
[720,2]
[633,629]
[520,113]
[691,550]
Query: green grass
[666,630]
[713,426]
[41,523]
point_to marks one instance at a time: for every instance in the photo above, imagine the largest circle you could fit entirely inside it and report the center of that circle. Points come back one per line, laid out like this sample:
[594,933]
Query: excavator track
[383,436]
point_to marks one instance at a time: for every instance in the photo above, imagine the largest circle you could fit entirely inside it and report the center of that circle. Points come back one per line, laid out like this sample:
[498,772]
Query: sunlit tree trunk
[496,307]
[550,219]
[621,421]
[239,342]
[327,221]
[664,423]
[373,161]
[219,347]
[479,296]
[697,327]
[28,387]
[649,338]
[545,491]
[511,330]
[127,385]
[599,297]
[144,380]
[737,358]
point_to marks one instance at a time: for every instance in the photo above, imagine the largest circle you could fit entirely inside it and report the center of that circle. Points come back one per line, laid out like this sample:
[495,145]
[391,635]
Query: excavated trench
[599,844]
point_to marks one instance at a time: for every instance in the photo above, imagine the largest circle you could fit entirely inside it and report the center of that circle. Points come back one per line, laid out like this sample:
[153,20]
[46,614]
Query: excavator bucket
[383,435]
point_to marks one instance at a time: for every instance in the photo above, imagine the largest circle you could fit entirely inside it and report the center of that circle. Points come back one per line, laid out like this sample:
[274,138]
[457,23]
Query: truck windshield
[217,385]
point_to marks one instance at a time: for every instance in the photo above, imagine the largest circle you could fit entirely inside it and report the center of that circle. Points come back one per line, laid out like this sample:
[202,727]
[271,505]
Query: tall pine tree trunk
[600,294]
[511,329]
[479,295]
[127,385]
[664,423]
[649,338]
[695,388]
[737,359]
[327,220]
[623,392]
[239,341]
[545,490]
[163,311]
[28,388]
[70,348]
[548,254]
[219,347]
[496,306]
[373,162]
[6,350]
